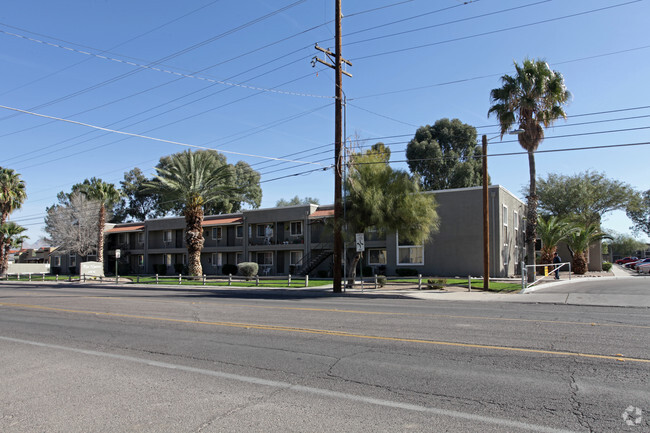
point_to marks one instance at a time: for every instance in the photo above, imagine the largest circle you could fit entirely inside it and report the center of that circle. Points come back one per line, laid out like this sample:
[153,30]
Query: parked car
[636,265]
[644,268]
[626,260]
[630,265]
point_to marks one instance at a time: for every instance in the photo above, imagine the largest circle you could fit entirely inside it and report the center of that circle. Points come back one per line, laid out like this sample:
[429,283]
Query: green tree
[296,201]
[12,196]
[445,155]
[135,204]
[578,242]
[106,195]
[638,210]
[193,180]
[552,230]
[532,99]
[624,245]
[381,198]
[584,197]
[244,183]
[13,238]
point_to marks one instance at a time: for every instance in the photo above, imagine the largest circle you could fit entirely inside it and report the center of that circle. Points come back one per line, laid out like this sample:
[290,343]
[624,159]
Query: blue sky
[414,62]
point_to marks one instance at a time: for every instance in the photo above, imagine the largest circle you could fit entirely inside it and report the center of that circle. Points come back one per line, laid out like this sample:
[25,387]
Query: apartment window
[141,260]
[73,260]
[123,238]
[296,228]
[409,254]
[505,235]
[376,257]
[167,259]
[239,257]
[141,238]
[216,259]
[57,261]
[216,233]
[265,258]
[239,232]
[167,236]
[295,257]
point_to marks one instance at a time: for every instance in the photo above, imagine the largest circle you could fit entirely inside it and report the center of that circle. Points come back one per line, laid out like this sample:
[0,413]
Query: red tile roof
[123,229]
[321,213]
[221,221]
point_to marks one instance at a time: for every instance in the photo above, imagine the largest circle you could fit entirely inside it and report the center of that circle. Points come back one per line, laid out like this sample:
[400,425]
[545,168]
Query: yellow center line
[331,333]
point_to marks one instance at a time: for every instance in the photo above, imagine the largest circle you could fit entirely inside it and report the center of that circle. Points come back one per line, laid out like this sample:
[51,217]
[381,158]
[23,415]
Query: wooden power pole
[338,144]
[486,219]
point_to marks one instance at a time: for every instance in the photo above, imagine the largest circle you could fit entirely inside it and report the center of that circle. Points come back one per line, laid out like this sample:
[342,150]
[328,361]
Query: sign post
[360,243]
[117,256]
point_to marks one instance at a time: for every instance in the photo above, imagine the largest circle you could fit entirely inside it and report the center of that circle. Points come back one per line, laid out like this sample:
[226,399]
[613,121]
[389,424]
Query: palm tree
[532,99]
[552,230]
[12,197]
[11,233]
[193,179]
[578,243]
[106,194]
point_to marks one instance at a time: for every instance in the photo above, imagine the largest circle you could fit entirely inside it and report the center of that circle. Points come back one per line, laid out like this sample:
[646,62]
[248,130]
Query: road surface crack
[576,406]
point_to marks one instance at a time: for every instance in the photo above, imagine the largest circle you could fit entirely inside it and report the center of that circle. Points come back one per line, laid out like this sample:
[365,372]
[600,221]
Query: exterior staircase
[312,260]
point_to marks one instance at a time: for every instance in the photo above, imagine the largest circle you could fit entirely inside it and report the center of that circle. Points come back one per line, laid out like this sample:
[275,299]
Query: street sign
[117,254]
[360,242]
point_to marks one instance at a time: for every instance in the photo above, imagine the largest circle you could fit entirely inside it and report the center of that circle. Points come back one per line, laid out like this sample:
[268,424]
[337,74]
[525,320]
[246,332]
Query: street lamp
[486,212]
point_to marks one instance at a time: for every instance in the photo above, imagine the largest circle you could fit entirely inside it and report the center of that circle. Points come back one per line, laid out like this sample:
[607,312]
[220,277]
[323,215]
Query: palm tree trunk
[531,216]
[194,239]
[100,237]
[4,255]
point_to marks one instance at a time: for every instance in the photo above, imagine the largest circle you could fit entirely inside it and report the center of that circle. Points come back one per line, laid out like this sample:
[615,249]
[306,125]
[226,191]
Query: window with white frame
[141,238]
[295,228]
[216,259]
[239,232]
[216,233]
[73,260]
[123,238]
[376,257]
[57,261]
[141,260]
[515,223]
[167,236]
[409,254]
[295,257]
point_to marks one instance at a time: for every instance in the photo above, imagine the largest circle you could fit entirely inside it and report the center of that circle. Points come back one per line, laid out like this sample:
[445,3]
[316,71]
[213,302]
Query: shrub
[72,270]
[436,283]
[381,280]
[321,273]
[367,270]
[247,269]
[228,269]
[406,272]
[178,268]
[56,270]
[607,266]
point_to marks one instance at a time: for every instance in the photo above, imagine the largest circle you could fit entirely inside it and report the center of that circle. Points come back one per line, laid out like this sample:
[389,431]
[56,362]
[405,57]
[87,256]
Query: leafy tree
[532,99]
[584,197]
[244,183]
[446,155]
[552,230]
[13,238]
[385,199]
[638,211]
[136,204]
[625,245]
[71,224]
[12,197]
[106,195]
[296,201]
[578,242]
[193,180]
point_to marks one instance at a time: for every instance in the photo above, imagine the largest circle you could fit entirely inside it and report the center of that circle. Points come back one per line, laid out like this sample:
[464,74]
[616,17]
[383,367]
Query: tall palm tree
[12,197]
[193,179]
[12,235]
[532,99]
[106,194]
[578,243]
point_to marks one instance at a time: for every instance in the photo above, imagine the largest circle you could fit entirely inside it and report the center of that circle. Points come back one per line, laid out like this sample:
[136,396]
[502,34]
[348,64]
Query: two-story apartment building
[287,239]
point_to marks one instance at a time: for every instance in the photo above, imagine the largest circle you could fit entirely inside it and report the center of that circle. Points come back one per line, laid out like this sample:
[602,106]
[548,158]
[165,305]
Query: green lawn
[477,283]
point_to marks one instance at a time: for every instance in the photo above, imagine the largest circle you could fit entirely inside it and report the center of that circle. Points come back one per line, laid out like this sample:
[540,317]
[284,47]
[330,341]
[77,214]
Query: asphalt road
[98,358]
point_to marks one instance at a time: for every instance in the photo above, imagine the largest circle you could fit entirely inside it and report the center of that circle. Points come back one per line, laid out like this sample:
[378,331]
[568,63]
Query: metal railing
[550,270]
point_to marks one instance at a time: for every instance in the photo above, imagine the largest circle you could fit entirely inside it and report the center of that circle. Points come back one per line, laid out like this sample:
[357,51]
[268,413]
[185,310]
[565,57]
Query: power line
[401,50]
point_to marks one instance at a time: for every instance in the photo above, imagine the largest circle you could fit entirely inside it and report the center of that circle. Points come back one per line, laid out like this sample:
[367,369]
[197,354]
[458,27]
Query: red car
[626,260]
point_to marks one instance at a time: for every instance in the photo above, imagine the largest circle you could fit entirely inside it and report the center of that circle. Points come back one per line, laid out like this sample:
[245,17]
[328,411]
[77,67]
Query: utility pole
[486,220]
[338,143]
